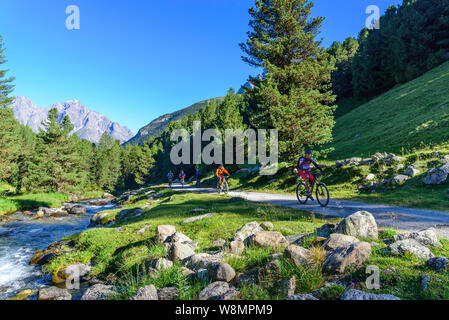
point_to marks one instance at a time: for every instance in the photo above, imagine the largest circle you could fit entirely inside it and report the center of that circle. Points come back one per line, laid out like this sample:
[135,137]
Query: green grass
[11,201]
[405,118]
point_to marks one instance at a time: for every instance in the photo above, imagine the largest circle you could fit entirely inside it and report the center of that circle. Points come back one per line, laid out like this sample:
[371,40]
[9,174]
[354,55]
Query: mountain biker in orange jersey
[220,173]
[304,168]
[182,176]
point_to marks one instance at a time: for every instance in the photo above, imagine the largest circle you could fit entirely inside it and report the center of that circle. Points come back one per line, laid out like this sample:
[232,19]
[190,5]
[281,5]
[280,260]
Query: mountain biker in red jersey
[182,176]
[304,164]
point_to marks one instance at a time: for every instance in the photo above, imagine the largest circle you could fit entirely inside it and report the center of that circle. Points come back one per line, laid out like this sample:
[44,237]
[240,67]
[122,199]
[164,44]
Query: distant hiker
[198,177]
[182,177]
[170,177]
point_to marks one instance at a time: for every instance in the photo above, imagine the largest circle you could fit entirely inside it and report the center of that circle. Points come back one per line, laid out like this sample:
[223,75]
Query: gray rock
[146,293]
[272,239]
[411,171]
[98,292]
[348,255]
[437,176]
[438,263]
[336,240]
[164,231]
[180,251]
[411,246]
[427,237]
[298,255]
[107,196]
[231,294]
[54,293]
[202,260]
[267,226]
[169,293]
[399,179]
[203,216]
[162,263]
[221,271]
[77,270]
[398,167]
[298,238]
[301,296]
[353,294]
[360,225]
[214,290]
[236,246]
[98,202]
[78,209]
[370,177]
[179,237]
[98,217]
[326,229]
[247,231]
[247,278]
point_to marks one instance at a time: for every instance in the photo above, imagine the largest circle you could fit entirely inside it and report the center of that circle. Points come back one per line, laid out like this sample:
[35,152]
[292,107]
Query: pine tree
[6,86]
[295,97]
[10,145]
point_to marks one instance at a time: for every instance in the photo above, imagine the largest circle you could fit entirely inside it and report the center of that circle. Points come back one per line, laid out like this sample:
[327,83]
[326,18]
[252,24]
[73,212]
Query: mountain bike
[170,182]
[182,182]
[321,192]
[223,186]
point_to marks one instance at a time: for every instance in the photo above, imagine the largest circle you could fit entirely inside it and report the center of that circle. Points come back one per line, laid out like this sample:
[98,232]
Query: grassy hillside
[407,117]
[158,125]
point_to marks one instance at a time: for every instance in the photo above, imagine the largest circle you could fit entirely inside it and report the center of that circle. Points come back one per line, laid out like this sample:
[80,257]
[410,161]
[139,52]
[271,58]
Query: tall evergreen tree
[295,97]
[6,86]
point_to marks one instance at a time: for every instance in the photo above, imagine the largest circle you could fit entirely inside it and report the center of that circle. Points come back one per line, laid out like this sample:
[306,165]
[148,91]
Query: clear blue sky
[134,60]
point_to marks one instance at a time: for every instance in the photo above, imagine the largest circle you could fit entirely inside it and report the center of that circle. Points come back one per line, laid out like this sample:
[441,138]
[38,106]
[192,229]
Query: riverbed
[21,236]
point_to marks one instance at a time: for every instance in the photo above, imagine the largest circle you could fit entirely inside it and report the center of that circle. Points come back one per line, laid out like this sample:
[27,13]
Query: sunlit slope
[406,117]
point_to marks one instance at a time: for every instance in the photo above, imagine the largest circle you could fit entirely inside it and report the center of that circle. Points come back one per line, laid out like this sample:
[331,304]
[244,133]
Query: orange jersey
[221,171]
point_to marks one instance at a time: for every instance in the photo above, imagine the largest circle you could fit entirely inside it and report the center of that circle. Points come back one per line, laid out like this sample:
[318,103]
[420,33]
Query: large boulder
[247,230]
[181,238]
[287,286]
[360,225]
[437,176]
[221,271]
[353,294]
[214,290]
[298,255]
[164,231]
[272,239]
[146,293]
[348,255]
[180,251]
[54,293]
[411,246]
[336,240]
[427,237]
[267,226]
[98,292]
[202,260]
[231,294]
[98,202]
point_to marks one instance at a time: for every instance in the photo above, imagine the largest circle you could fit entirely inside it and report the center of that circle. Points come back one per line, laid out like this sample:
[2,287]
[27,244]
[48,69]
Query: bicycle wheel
[218,187]
[301,193]
[225,187]
[322,194]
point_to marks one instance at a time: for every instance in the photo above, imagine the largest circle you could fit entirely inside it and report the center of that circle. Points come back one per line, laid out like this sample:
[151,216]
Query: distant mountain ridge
[158,125]
[89,125]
